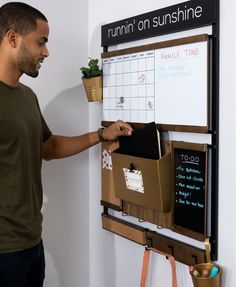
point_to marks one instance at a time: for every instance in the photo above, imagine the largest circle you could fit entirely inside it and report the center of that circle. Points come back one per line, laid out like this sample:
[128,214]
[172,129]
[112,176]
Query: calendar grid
[128,87]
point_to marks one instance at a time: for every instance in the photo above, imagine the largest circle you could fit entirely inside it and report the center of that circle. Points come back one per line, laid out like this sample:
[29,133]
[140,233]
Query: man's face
[33,50]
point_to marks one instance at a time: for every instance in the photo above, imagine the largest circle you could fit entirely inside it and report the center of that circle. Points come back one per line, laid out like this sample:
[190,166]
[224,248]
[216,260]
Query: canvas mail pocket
[146,182]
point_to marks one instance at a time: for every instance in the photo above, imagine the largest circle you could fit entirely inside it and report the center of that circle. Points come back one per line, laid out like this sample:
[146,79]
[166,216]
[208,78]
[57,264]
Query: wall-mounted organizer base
[182,252]
[122,228]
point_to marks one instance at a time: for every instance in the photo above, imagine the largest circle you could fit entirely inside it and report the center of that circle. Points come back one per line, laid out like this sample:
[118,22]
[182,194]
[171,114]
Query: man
[24,140]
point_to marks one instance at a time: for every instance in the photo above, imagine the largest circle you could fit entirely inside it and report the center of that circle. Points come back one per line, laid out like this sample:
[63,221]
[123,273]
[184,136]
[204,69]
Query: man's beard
[27,63]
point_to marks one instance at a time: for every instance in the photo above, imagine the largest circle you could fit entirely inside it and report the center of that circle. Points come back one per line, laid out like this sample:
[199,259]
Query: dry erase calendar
[165,82]
[128,87]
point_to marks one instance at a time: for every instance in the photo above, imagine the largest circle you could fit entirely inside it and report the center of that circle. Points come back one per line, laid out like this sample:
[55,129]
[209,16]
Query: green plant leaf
[92,70]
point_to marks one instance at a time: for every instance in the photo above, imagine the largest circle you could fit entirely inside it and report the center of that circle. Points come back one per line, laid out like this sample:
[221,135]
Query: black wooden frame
[211,17]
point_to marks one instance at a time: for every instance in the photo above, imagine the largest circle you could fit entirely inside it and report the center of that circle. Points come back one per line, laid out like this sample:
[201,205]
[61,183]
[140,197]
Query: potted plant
[92,80]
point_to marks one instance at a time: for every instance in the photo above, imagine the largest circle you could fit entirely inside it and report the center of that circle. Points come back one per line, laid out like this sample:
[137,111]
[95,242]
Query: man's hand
[61,146]
[117,129]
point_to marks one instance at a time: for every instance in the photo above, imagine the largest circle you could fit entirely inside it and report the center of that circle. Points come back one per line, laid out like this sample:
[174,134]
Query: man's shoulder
[26,88]
[27,91]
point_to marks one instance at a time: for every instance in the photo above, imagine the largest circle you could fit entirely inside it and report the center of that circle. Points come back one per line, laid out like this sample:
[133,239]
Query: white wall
[227,168]
[124,257]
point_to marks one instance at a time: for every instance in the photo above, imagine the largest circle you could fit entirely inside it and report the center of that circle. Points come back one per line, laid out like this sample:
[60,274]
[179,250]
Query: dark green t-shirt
[22,132]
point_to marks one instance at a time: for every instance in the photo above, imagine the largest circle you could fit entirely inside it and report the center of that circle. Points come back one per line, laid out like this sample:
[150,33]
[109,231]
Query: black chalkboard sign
[190,192]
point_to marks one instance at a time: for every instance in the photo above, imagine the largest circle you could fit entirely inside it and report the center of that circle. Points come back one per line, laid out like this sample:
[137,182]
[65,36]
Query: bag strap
[146,257]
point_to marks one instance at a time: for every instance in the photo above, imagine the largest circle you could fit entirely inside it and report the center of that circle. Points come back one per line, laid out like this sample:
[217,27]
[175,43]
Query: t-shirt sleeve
[46,131]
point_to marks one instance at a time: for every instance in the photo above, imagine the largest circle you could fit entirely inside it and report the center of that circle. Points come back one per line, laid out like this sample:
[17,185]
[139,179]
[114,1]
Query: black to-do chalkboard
[190,192]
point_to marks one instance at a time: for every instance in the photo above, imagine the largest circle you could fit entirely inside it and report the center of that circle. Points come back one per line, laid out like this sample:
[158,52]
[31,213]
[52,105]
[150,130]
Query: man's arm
[60,146]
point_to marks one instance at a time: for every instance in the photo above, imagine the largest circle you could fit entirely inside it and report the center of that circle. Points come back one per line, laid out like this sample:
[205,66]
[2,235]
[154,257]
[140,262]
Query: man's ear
[12,37]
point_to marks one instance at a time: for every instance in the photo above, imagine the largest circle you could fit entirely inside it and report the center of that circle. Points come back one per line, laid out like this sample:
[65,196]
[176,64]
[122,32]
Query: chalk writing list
[189,189]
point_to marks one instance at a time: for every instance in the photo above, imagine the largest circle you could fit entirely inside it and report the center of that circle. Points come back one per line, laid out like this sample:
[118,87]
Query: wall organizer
[173,81]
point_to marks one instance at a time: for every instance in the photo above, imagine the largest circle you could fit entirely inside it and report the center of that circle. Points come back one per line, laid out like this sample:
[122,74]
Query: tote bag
[146,257]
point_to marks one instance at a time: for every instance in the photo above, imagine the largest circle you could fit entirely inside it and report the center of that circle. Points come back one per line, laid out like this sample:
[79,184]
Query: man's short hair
[19,17]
